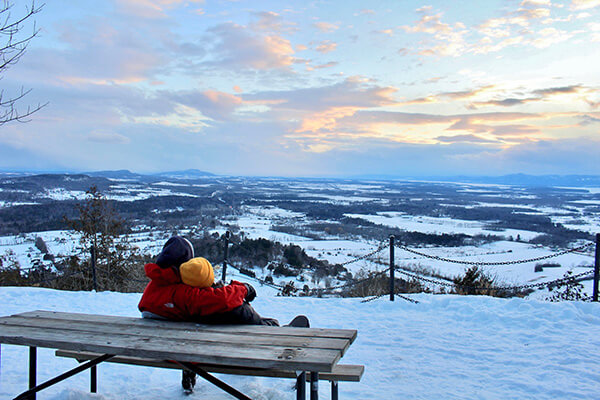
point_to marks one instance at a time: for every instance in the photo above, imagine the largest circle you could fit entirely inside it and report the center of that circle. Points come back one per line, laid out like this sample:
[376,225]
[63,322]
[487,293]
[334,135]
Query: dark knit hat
[175,252]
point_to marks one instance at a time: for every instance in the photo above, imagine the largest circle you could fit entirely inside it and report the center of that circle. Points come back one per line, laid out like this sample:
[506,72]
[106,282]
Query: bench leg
[94,379]
[301,386]
[30,394]
[314,385]
[334,390]
[217,382]
[32,369]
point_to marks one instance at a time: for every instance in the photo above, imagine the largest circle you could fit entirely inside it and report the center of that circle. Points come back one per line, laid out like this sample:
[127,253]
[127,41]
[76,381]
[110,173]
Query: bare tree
[13,43]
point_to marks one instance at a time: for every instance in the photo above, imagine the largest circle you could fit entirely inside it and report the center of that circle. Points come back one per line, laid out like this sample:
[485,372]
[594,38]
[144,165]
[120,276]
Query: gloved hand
[218,284]
[251,295]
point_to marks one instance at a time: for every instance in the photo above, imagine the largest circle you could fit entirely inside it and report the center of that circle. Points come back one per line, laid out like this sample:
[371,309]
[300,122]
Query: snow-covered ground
[445,347]
[434,225]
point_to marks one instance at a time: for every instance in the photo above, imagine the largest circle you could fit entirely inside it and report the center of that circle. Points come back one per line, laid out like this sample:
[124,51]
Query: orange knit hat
[197,272]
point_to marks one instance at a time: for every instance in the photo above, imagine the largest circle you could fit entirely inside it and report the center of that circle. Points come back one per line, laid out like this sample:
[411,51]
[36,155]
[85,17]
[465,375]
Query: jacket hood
[175,252]
[161,276]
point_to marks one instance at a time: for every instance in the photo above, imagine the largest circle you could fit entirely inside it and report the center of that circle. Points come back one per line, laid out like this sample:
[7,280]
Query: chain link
[375,275]
[382,246]
[386,294]
[483,263]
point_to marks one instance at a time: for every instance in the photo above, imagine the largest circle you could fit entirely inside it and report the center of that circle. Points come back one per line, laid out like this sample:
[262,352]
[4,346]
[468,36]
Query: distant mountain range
[526,180]
[126,174]
[512,179]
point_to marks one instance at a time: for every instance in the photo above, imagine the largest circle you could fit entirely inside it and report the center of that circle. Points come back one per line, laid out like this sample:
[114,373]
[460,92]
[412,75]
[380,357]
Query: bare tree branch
[12,49]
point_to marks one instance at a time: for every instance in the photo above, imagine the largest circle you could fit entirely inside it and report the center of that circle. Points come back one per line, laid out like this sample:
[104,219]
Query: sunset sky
[310,88]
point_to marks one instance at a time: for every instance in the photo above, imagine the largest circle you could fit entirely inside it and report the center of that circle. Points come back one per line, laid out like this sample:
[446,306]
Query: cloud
[99,51]
[107,137]
[584,4]
[527,26]
[456,95]
[558,90]
[326,27]
[213,104]
[463,139]
[589,120]
[508,102]
[537,95]
[269,21]
[330,64]
[152,9]
[238,47]
[366,12]
[326,47]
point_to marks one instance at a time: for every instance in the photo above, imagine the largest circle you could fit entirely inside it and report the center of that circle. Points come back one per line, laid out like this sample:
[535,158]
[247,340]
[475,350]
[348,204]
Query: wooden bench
[284,352]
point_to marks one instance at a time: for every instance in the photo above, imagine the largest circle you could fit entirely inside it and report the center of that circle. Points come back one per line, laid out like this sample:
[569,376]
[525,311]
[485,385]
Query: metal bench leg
[94,379]
[334,390]
[301,386]
[314,385]
[30,394]
[32,369]
[217,382]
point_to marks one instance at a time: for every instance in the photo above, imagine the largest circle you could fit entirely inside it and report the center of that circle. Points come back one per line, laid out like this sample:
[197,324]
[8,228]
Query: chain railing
[555,282]
[483,263]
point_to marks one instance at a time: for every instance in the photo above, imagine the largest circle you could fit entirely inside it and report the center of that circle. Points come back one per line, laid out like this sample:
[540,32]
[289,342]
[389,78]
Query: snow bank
[445,347]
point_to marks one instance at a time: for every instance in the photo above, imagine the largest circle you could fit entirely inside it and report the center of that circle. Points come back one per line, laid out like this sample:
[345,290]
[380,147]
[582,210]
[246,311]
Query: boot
[300,321]
[188,380]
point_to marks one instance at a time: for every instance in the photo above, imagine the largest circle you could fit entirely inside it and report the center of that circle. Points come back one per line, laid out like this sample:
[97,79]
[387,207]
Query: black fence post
[596,268]
[226,251]
[93,250]
[392,267]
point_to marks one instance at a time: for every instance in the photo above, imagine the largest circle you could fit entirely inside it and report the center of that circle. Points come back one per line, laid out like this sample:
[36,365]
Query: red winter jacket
[168,297]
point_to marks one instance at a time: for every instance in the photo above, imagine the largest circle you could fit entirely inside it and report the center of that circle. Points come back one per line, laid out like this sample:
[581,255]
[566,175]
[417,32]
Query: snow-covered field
[438,226]
[445,347]
[258,222]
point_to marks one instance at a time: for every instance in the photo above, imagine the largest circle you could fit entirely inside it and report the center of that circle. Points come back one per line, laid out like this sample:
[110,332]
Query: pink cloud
[326,47]
[325,27]
[584,4]
[239,47]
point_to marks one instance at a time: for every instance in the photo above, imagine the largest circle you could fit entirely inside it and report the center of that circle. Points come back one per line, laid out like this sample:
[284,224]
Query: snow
[438,225]
[341,199]
[591,190]
[170,184]
[587,202]
[445,347]
[63,194]
[7,204]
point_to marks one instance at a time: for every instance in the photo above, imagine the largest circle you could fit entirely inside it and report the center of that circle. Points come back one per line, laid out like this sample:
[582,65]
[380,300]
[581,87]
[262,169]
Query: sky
[321,88]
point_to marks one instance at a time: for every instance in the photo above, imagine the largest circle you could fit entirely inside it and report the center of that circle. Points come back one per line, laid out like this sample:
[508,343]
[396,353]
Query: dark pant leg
[242,315]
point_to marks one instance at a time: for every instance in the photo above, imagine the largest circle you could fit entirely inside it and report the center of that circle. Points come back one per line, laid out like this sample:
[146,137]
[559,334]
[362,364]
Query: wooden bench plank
[248,355]
[340,372]
[348,334]
[199,335]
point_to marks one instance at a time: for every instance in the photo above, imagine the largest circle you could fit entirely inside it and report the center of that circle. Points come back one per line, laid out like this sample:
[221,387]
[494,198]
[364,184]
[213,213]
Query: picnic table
[234,349]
